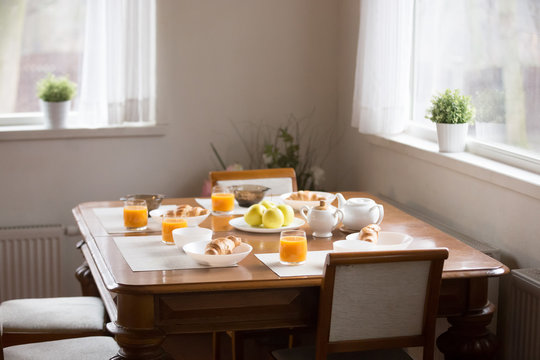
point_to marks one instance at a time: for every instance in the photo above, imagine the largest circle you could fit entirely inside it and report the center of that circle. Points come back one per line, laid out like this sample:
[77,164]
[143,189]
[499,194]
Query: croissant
[222,245]
[370,233]
[305,195]
[189,211]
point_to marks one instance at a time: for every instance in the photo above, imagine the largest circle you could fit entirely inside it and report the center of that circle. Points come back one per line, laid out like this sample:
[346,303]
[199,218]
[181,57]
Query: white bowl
[298,204]
[196,251]
[183,236]
[192,221]
[387,241]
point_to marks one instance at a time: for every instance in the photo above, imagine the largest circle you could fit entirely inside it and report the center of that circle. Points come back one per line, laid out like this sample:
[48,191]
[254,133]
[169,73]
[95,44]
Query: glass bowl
[247,195]
[152,200]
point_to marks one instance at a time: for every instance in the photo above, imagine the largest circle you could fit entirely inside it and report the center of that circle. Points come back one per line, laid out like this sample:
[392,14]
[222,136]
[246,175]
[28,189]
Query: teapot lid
[322,206]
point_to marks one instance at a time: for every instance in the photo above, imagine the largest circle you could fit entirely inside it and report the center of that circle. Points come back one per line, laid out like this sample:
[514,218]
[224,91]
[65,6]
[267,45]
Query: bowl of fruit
[267,217]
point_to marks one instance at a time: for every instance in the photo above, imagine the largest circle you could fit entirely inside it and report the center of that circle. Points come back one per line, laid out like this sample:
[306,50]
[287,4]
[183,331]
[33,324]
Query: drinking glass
[135,214]
[222,200]
[292,247]
[170,222]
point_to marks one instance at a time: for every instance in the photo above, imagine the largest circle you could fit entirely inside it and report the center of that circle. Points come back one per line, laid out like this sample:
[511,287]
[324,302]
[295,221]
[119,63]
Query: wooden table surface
[463,292]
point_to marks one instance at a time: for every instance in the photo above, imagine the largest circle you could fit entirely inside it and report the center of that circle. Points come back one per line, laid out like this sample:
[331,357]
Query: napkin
[238,210]
[148,253]
[314,265]
[112,220]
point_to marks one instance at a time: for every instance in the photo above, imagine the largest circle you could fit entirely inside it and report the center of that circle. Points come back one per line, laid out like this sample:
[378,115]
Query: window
[37,37]
[491,50]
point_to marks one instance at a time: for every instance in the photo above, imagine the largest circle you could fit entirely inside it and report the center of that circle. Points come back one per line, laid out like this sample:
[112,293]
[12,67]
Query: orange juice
[168,225]
[293,249]
[222,202]
[135,216]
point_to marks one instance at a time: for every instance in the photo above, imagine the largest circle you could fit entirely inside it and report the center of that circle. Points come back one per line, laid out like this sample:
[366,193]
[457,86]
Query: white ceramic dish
[192,221]
[387,241]
[240,224]
[183,236]
[298,204]
[196,251]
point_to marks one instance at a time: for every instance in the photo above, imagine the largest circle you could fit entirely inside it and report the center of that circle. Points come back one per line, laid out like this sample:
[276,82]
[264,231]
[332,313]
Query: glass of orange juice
[222,200]
[292,247]
[170,222]
[135,214]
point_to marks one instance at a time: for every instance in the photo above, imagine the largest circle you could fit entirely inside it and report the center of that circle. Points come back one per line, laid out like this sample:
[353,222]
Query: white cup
[182,236]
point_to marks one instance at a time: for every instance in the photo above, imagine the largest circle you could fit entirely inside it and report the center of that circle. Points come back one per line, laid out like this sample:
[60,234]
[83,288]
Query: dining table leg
[134,329]
[468,337]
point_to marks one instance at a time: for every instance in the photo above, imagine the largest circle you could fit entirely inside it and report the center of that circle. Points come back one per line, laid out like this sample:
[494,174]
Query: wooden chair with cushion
[372,304]
[25,321]
[84,348]
[279,180]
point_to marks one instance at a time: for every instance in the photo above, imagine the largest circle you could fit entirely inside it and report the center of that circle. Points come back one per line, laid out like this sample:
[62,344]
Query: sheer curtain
[382,94]
[118,77]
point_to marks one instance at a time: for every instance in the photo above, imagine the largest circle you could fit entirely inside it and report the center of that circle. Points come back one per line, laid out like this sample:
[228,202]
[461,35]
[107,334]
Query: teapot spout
[341,200]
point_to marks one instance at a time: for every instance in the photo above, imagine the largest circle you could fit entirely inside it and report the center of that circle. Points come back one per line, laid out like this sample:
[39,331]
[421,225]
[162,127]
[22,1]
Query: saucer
[346,230]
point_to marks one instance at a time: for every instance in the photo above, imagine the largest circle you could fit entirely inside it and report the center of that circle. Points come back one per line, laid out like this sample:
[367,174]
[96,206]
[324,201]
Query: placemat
[238,210]
[313,266]
[112,220]
[148,253]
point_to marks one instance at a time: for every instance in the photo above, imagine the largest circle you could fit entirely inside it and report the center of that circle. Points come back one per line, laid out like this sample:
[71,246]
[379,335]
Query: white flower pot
[452,137]
[55,113]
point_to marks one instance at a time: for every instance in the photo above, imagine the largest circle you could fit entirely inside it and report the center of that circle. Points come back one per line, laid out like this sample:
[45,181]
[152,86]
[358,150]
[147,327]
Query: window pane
[37,37]
[491,50]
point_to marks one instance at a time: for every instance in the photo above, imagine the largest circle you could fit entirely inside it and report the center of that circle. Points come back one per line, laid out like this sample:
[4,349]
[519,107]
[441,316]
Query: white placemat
[238,210]
[148,253]
[314,264]
[112,220]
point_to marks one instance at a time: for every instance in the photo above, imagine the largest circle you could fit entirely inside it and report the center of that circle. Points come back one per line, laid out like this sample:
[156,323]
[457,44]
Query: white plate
[240,224]
[298,204]
[196,251]
[192,221]
[387,241]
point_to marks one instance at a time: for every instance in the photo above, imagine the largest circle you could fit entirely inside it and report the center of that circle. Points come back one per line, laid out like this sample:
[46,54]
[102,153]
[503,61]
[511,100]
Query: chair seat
[85,348]
[63,314]
[308,353]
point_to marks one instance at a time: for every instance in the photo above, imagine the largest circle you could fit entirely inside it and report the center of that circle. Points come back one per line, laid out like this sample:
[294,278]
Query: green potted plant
[55,94]
[452,112]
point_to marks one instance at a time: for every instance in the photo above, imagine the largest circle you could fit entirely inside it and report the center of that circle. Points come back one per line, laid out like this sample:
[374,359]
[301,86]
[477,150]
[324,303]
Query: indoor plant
[55,94]
[452,112]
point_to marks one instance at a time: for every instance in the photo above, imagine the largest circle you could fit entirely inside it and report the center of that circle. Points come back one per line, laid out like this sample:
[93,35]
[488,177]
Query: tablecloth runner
[112,220]
[313,266]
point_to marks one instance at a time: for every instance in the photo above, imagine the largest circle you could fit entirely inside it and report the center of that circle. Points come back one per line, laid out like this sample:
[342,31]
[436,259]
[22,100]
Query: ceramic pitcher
[360,212]
[322,219]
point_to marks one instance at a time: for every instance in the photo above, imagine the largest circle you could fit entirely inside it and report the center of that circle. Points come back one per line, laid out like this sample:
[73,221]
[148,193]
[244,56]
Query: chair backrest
[379,300]
[279,180]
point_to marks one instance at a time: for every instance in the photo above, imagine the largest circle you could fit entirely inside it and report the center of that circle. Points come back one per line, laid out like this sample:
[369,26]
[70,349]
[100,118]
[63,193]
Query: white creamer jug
[360,212]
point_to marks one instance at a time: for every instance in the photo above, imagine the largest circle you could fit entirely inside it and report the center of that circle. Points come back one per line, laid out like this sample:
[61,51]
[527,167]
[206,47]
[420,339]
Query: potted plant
[452,112]
[55,94]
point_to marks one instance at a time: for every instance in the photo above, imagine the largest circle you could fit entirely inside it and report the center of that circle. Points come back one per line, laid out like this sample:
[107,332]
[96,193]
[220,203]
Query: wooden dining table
[145,307]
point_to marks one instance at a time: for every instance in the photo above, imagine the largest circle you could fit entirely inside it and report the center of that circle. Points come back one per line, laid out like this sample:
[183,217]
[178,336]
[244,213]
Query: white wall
[217,61]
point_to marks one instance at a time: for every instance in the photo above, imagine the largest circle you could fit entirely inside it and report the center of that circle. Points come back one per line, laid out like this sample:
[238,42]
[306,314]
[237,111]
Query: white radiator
[524,315]
[30,263]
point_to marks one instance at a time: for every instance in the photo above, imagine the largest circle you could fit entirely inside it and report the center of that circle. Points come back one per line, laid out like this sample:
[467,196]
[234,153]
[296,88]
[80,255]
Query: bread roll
[370,233]
[222,245]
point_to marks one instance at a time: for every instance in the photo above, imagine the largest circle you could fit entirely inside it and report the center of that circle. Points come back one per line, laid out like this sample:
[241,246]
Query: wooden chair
[372,304]
[85,348]
[34,320]
[279,180]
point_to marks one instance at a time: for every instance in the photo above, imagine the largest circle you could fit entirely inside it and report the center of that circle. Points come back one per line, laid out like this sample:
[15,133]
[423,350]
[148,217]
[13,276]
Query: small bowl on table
[153,201]
[247,195]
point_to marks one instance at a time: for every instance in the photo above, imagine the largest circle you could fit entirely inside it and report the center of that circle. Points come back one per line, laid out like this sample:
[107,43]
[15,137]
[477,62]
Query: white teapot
[322,219]
[359,212]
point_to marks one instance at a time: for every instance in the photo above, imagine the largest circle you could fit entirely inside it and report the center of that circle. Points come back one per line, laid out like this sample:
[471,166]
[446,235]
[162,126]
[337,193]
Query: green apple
[268,204]
[288,213]
[254,215]
[272,218]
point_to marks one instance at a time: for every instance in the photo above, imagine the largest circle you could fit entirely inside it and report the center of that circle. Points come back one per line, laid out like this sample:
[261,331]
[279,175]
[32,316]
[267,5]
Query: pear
[272,218]
[254,215]
[268,204]
[288,213]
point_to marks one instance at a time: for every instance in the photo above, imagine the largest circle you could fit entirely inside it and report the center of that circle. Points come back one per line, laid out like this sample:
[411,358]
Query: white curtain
[382,95]
[118,77]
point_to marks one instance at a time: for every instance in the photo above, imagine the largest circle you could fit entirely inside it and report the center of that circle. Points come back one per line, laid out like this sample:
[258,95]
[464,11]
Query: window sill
[522,181]
[39,132]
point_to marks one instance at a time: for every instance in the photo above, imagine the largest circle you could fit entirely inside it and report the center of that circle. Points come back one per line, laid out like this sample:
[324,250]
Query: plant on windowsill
[55,94]
[452,112]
